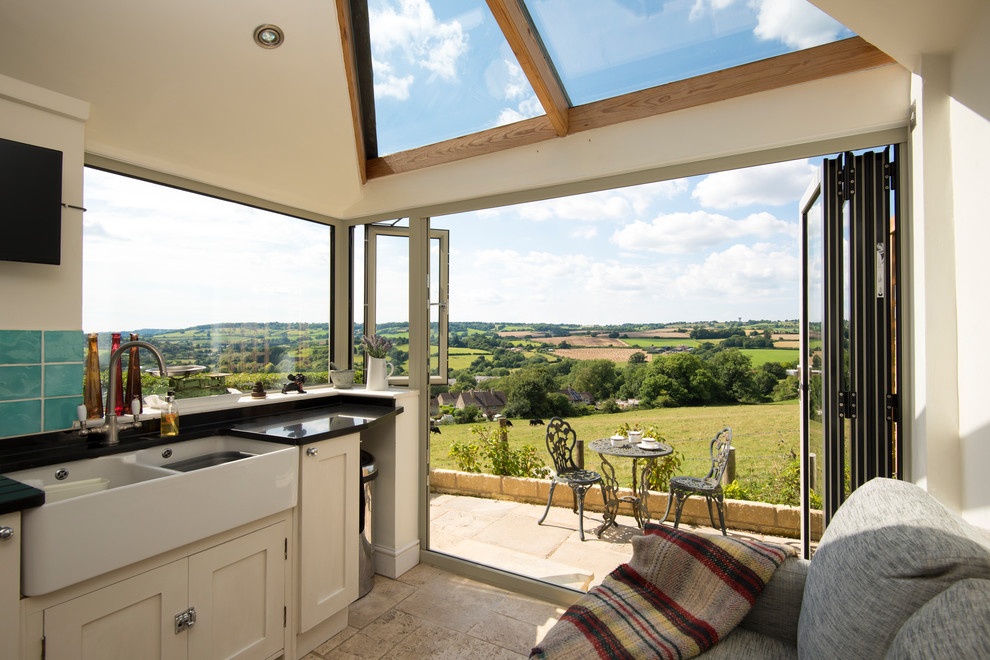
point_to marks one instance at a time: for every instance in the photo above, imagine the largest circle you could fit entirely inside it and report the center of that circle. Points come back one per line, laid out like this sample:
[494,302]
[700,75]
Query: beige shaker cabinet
[236,590]
[329,482]
[10,581]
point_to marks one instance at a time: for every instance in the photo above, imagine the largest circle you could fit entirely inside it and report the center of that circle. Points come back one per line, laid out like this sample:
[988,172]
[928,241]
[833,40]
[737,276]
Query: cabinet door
[10,580]
[329,477]
[131,619]
[238,592]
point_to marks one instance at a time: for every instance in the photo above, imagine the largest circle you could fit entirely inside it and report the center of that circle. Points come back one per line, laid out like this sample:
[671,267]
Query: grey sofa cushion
[889,549]
[776,610]
[742,643]
[954,624]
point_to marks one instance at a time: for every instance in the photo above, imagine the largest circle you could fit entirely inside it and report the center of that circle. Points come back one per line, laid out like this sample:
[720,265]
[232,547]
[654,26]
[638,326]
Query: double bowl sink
[104,513]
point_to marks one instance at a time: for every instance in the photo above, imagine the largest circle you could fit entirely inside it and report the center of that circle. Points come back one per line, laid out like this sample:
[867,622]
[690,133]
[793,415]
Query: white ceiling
[180,87]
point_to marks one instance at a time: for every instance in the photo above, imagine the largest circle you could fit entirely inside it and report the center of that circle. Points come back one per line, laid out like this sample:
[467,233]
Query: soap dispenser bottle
[170,416]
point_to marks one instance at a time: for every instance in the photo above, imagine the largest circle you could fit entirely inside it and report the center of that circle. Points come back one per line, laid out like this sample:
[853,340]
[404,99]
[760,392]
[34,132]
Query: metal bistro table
[610,483]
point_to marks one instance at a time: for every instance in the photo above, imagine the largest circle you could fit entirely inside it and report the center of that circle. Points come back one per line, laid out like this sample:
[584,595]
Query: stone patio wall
[773,519]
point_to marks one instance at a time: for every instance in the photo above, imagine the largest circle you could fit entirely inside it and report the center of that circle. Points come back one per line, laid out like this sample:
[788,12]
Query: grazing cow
[536,422]
[435,429]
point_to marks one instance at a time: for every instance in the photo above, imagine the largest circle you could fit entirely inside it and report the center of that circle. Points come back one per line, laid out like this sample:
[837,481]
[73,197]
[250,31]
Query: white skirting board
[392,562]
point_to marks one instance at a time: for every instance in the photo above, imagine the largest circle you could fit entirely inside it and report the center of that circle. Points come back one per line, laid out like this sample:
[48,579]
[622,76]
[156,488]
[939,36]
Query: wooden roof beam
[514,23]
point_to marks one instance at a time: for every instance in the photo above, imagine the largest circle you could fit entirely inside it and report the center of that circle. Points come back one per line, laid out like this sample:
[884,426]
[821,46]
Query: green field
[762,355]
[764,436]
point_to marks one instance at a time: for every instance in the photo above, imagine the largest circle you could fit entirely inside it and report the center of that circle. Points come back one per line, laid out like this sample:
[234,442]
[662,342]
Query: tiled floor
[430,613]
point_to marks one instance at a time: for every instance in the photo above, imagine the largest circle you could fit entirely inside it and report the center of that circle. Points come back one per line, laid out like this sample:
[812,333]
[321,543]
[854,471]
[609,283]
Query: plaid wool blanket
[680,594]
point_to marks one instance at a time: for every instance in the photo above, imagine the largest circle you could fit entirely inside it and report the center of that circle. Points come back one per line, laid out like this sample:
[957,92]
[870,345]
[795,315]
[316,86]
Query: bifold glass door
[849,368]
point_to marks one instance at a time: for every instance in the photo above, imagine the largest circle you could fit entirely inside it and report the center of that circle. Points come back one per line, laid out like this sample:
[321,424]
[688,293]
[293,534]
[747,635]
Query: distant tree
[785,389]
[681,379]
[638,356]
[610,406]
[464,381]
[469,414]
[595,376]
[527,392]
[764,382]
[733,372]
[632,380]
[777,369]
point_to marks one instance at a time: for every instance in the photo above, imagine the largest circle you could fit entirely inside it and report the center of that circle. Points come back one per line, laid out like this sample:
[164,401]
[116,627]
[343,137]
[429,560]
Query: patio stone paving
[505,534]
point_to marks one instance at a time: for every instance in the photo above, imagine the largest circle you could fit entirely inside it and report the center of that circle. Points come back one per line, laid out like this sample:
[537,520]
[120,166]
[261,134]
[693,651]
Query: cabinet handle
[311,451]
[6,533]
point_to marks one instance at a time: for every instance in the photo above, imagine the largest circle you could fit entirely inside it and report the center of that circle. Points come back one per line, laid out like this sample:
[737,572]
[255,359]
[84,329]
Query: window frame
[372,232]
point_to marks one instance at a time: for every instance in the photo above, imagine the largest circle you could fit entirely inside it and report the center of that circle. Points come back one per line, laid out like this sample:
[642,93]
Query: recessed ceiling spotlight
[269,36]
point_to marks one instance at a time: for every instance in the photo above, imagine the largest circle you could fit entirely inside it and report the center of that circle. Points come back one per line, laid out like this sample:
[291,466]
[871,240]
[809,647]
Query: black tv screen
[30,203]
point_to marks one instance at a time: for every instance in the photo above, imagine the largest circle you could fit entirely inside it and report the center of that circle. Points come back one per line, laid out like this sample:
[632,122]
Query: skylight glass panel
[604,48]
[442,69]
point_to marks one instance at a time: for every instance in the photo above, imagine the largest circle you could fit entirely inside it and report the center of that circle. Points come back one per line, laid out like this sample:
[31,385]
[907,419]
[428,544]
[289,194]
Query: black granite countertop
[15,496]
[303,428]
[293,422]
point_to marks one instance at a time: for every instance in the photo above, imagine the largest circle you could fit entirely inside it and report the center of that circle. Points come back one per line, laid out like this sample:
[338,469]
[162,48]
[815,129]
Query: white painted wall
[39,296]
[969,110]
[932,367]
[948,363]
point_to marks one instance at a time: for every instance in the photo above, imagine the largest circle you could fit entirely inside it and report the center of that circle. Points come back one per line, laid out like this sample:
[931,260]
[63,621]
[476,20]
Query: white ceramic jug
[375,376]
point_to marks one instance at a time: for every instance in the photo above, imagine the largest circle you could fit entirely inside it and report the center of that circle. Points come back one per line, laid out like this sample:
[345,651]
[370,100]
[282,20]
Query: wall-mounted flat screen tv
[30,203]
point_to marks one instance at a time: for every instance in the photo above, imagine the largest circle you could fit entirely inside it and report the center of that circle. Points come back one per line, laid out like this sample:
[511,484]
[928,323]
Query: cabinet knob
[6,533]
[311,451]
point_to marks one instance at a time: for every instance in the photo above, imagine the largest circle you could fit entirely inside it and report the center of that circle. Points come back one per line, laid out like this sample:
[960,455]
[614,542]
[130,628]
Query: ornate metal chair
[561,439]
[710,485]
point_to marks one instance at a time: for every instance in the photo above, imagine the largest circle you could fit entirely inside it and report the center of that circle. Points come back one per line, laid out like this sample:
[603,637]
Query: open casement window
[386,297]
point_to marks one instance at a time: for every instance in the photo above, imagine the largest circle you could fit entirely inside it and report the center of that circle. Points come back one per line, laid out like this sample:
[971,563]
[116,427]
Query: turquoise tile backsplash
[20,346]
[64,345]
[20,382]
[63,379]
[41,380]
[20,417]
[57,411]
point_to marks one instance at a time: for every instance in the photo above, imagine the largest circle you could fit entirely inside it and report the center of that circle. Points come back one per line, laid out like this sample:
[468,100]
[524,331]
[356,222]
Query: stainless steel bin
[366,555]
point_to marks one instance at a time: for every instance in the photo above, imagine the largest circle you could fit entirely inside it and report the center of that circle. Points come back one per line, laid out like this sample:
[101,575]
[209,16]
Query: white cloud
[389,84]
[742,272]
[621,204]
[687,233]
[701,7]
[585,232]
[797,23]
[411,27]
[774,184]
[505,80]
[527,108]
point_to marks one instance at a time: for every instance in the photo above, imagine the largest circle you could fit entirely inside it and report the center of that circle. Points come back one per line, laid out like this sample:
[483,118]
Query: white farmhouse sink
[112,511]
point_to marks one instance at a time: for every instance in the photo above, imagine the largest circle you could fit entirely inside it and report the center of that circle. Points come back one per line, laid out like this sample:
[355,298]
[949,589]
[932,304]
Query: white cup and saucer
[649,443]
